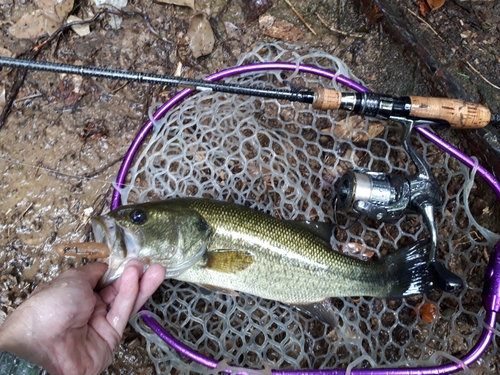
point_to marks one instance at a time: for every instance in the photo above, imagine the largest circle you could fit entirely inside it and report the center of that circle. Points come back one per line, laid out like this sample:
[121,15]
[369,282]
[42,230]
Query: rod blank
[198,84]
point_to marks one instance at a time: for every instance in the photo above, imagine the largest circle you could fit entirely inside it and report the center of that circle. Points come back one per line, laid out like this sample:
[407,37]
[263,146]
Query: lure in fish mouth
[175,239]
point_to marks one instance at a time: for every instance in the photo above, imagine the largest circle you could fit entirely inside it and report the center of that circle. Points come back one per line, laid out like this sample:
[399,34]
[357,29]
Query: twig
[98,171]
[66,27]
[223,10]
[422,20]
[30,204]
[480,75]
[33,96]
[119,88]
[345,33]
[32,55]
[85,176]
[21,76]
[24,212]
[145,17]
[300,17]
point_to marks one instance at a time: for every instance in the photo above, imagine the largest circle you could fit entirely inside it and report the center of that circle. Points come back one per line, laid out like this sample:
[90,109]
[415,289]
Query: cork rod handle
[460,114]
[327,99]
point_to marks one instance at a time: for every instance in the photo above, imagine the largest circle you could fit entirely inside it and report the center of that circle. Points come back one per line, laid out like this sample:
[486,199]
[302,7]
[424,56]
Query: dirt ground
[62,142]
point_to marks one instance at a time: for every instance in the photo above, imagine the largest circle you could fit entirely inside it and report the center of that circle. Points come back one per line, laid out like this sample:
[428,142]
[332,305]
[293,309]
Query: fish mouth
[123,244]
[104,230]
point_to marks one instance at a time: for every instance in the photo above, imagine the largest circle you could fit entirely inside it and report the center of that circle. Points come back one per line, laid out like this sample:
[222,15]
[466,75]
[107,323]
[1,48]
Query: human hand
[68,328]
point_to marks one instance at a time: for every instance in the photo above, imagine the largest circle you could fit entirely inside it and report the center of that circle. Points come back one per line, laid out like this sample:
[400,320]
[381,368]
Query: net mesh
[283,158]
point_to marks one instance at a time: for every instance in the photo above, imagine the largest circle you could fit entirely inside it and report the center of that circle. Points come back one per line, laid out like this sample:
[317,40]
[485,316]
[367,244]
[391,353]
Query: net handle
[493,272]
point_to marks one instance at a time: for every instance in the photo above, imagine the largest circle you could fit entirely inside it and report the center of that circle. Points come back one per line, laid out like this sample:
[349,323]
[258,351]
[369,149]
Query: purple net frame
[491,291]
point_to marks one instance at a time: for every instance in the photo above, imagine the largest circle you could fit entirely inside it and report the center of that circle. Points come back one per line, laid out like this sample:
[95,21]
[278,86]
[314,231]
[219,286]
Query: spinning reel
[387,197]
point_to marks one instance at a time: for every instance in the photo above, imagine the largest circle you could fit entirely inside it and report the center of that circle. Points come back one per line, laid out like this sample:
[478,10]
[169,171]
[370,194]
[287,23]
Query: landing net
[284,158]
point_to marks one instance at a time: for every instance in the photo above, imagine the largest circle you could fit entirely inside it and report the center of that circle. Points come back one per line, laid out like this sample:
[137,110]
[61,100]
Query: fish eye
[138,216]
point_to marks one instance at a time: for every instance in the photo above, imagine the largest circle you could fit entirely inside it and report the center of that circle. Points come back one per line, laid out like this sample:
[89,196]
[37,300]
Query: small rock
[81,30]
[255,8]
[200,36]
[466,34]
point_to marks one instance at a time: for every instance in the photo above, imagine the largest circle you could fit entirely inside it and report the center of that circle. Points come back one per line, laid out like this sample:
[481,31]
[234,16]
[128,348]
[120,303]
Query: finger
[91,272]
[150,281]
[124,302]
[109,293]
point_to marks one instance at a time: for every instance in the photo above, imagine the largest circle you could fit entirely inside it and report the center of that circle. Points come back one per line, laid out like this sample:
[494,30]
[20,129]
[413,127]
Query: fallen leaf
[45,20]
[115,21]
[182,3]
[279,29]
[200,36]
[57,9]
[435,4]
[93,130]
[34,25]
[424,8]
[81,30]
[5,52]
[65,92]
[428,311]
[355,129]
[63,7]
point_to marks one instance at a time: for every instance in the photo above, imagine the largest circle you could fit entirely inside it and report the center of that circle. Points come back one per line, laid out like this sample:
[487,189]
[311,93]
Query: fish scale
[298,267]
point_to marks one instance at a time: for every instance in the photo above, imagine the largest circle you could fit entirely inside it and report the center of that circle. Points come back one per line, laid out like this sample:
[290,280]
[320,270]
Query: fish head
[175,237]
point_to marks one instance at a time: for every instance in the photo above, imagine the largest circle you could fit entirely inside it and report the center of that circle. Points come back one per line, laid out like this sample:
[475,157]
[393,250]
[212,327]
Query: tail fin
[408,268]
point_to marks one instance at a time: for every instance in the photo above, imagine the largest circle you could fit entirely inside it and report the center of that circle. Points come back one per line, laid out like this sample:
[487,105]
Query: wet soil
[61,145]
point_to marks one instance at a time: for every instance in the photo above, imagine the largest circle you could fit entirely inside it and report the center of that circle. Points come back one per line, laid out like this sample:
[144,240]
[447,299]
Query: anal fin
[208,289]
[322,310]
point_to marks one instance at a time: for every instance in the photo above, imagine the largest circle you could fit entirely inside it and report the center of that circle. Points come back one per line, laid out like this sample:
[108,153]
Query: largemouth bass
[232,247]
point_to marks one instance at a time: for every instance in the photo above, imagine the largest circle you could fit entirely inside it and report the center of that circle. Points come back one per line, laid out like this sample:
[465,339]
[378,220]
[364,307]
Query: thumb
[91,272]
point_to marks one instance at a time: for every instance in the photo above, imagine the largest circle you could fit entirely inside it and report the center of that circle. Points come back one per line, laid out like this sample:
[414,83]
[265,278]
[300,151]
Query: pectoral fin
[228,261]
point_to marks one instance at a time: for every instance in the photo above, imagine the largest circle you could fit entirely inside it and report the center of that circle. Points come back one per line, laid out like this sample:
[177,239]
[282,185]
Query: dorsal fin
[320,229]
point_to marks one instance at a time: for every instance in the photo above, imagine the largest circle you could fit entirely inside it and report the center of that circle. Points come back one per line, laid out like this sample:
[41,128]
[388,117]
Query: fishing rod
[458,113]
